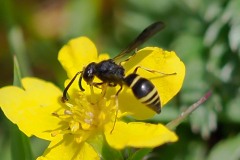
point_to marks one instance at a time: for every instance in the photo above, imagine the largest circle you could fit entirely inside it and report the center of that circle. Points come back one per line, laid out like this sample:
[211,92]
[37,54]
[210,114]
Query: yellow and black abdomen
[144,91]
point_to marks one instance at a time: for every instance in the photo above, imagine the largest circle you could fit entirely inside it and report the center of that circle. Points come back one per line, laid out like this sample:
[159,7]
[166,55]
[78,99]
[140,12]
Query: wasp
[112,73]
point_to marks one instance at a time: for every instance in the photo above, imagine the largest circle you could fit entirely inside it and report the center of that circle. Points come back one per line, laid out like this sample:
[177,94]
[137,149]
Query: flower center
[84,117]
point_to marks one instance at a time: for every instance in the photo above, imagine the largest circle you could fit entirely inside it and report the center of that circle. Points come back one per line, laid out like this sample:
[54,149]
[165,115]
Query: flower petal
[138,134]
[31,109]
[66,148]
[168,86]
[76,54]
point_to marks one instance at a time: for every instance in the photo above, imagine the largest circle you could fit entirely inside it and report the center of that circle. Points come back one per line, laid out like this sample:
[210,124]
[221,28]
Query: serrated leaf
[189,48]
[233,109]
[232,13]
[234,37]
[204,120]
[212,33]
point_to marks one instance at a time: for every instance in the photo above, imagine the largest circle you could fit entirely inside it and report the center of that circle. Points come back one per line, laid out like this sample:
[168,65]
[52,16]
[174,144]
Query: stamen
[88,121]
[62,116]
[74,126]
[86,126]
[55,114]
[78,139]
[68,112]
[85,114]
[56,132]
[90,114]
[69,104]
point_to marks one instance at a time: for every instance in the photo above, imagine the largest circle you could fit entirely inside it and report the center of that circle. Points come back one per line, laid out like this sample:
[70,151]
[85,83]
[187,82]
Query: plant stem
[174,123]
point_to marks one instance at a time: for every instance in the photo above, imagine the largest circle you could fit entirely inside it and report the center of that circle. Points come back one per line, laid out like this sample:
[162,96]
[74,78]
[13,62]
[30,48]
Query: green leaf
[16,73]
[102,148]
[204,119]
[227,149]
[140,154]
[232,11]
[20,144]
[18,49]
[233,109]
[213,31]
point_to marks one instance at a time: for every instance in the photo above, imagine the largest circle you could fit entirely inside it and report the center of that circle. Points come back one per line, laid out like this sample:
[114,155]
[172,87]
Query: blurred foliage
[205,34]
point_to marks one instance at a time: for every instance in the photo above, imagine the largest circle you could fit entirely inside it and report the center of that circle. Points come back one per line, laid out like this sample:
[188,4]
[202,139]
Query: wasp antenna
[64,97]
[80,83]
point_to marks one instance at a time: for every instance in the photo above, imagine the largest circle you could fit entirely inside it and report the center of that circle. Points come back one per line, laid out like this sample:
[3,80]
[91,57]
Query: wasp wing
[141,38]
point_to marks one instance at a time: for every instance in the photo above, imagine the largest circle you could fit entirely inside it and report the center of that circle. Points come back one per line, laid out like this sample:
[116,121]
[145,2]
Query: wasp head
[89,72]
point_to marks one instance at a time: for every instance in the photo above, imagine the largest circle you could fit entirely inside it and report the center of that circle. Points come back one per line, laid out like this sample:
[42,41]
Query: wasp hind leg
[99,85]
[153,71]
[116,102]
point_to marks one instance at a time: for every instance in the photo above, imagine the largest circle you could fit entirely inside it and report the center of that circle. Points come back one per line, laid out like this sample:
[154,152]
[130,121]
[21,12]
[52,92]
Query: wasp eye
[89,72]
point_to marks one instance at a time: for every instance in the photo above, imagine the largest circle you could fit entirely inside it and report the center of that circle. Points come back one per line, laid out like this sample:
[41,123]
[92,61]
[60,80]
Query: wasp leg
[104,87]
[116,102]
[97,84]
[129,57]
[101,85]
[64,97]
[152,71]
[112,84]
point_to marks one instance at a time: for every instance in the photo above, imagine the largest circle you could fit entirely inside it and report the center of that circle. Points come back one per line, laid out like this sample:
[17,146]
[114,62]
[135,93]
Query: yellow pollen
[54,133]
[78,139]
[84,116]
[69,104]
[88,121]
[68,112]
[86,126]
[74,126]
[90,114]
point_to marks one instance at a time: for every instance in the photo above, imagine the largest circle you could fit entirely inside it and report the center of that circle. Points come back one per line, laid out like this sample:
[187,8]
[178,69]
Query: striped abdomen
[144,90]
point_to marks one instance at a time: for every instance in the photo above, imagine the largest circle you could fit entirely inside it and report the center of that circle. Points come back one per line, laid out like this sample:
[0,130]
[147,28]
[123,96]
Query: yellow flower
[74,127]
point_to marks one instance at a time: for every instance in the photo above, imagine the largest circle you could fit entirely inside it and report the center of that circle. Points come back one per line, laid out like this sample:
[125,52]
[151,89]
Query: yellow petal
[102,57]
[76,54]
[67,148]
[139,135]
[167,85]
[31,109]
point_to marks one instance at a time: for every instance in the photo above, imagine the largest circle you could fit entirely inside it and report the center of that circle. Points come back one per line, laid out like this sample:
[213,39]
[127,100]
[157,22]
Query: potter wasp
[112,73]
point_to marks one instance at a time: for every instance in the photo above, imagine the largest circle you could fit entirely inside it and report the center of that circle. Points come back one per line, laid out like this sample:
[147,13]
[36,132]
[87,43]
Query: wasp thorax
[110,72]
